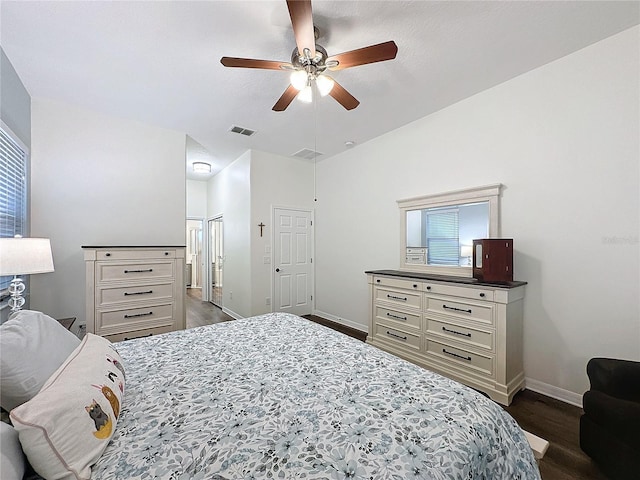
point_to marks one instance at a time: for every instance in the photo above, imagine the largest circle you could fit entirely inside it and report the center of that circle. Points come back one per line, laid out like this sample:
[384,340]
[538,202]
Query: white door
[292,261]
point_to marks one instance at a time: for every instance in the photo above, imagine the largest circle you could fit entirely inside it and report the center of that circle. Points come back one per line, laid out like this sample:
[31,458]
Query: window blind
[442,237]
[13,189]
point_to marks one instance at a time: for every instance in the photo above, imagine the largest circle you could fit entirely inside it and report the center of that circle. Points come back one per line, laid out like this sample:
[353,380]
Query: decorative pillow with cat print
[65,428]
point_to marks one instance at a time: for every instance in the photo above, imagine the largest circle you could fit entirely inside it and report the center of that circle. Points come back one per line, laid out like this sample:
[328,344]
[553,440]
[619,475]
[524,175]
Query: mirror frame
[487,193]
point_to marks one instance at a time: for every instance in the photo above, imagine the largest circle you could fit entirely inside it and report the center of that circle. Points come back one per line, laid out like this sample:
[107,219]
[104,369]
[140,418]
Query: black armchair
[610,426]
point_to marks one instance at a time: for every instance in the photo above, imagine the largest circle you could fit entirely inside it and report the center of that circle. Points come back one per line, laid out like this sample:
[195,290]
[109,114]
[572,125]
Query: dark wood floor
[555,421]
[201,313]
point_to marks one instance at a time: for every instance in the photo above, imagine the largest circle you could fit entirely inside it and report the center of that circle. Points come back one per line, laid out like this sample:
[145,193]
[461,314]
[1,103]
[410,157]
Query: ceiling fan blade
[362,56]
[286,98]
[253,63]
[343,97]
[302,23]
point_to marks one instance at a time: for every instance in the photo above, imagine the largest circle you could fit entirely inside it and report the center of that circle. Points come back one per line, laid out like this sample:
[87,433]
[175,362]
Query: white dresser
[460,328]
[134,291]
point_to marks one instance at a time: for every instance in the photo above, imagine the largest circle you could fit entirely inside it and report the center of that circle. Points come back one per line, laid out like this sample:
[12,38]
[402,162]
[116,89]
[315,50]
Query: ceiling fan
[310,61]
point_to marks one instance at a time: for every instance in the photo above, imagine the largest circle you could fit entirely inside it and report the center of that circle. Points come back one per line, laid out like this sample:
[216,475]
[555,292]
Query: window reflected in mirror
[444,235]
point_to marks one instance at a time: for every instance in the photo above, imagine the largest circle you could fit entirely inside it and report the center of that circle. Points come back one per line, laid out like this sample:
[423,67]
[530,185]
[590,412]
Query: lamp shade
[466,250]
[24,256]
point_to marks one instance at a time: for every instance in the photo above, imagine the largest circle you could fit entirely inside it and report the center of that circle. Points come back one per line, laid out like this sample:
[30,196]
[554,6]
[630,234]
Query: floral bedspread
[277,396]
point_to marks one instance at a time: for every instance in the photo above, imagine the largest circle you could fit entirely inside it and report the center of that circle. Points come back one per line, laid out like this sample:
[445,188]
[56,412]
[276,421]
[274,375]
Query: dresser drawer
[472,336]
[118,321]
[482,364]
[115,272]
[106,296]
[395,317]
[397,283]
[416,250]
[399,297]
[476,312]
[138,333]
[408,340]
[134,254]
[416,259]
[458,291]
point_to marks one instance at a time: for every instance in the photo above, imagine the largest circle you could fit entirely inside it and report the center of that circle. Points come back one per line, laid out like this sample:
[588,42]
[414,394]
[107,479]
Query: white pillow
[65,428]
[32,346]
[11,456]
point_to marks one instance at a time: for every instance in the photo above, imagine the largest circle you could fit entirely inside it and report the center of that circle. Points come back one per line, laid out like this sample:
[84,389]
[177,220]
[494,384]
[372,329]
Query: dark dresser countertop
[445,278]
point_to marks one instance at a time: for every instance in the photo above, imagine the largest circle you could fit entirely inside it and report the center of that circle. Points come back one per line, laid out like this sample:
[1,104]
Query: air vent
[241,130]
[307,154]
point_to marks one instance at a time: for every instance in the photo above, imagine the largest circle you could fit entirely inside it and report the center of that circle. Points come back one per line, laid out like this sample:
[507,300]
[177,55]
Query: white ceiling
[159,62]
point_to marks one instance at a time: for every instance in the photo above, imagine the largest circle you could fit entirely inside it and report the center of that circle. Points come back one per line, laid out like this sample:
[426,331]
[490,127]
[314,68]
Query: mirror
[437,230]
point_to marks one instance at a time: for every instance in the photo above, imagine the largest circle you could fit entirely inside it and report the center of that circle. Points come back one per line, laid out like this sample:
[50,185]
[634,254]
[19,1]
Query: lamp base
[16,287]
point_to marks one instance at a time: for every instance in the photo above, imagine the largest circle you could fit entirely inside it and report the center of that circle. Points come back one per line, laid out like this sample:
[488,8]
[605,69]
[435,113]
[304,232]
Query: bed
[278,396]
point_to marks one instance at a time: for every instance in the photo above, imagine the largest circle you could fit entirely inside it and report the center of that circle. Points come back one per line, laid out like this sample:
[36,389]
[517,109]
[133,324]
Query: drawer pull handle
[396,316]
[126,294]
[457,333]
[141,336]
[139,271]
[468,359]
[141,315]
[482,295]
[378,280]
[456,309]
[107,254]
[428,287]
[393,297]
[397,336]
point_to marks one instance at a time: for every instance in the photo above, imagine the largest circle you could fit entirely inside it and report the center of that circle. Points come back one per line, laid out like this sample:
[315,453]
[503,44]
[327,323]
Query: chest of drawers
[468,331]
[134,291]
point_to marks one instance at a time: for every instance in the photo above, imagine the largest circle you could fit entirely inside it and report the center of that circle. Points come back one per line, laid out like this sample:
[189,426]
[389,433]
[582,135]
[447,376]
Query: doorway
[292,261]
[216,256]
[194,260]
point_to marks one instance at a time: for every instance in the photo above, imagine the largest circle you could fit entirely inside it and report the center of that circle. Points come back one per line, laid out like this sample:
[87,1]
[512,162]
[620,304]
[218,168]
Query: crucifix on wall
[261,225]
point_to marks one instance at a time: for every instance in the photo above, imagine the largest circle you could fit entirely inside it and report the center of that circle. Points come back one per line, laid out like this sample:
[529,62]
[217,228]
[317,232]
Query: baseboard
[232,313]
[554,392]
[342,321]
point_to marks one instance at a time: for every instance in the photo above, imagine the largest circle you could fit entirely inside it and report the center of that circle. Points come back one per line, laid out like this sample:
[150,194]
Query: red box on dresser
[493,259]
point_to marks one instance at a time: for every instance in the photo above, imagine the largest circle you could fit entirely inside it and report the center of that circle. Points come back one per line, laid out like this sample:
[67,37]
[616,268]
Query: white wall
[563,139]
[196,199]
[229,194]
[99,180]
[275,181]
[244,193]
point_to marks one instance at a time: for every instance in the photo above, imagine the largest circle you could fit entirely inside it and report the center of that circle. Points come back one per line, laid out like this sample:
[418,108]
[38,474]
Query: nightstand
[66,322]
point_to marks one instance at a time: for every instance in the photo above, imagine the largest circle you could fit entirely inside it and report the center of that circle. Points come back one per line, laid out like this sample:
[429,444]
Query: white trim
[231,313]
[558,393]
[206,292]
[342,321]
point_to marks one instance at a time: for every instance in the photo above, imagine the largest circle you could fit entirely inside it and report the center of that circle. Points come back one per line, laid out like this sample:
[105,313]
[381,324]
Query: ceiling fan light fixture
[201,167]
[325,84]
[306,94]
[299,79]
